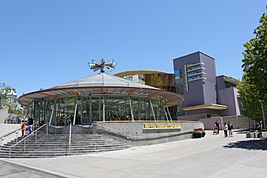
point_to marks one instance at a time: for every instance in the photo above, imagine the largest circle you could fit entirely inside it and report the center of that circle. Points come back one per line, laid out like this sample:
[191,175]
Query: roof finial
[102,65]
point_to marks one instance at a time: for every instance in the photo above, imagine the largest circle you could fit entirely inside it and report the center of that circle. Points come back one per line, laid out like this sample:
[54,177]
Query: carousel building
[100,97]
[97,113]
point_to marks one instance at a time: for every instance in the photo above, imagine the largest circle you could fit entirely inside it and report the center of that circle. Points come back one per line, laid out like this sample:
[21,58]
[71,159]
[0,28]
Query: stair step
[53,145]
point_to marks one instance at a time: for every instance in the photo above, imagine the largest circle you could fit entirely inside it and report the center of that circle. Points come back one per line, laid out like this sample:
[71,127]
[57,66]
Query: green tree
[250,100]
[5,93]
[254,83]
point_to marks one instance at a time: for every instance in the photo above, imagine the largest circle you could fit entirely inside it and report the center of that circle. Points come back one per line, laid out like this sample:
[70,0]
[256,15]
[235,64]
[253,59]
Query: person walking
[218,126]
[30,124]
[230,128]
[23,128]
[225,129]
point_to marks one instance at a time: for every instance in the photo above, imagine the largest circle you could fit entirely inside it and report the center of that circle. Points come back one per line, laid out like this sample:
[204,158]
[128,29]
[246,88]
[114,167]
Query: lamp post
[2,86]
[263,114]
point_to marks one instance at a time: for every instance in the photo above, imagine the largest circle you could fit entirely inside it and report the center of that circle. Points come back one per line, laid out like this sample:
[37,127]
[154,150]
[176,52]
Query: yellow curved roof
[134,72]
[208,106]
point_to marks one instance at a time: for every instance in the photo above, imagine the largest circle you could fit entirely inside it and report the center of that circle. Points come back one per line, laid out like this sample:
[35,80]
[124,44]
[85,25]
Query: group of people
[227,128]
[24,126]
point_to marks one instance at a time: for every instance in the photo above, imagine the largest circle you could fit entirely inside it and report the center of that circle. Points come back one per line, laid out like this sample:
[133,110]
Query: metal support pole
[263,114]
[17,136]
[131,108]
[164,109]
[90,109]
[75,113]
[104,113]
[33,107]
[24,146]
[99,108]
[36,136]
[46,129]
[152,109]
[169,113]
[70,139]
[52,113]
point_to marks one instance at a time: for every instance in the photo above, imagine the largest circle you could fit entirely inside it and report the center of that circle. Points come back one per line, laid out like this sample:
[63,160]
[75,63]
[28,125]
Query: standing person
[23,128]
[30,124]
[230,128]
[215,130]
[218,126]
[225,129]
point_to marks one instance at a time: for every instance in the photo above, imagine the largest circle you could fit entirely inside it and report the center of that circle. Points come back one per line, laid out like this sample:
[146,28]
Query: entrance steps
[53,145]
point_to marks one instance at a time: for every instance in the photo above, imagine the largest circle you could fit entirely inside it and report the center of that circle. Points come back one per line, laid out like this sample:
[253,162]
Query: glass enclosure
[83,110]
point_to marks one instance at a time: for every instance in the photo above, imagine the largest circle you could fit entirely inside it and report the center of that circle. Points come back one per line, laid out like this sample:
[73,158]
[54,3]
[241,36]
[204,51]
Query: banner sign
[161,128]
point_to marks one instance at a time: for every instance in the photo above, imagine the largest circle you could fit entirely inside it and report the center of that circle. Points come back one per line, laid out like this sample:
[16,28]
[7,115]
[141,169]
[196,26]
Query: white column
[52,113]
[152,109]
[104,110]
[99,108]
[81,102]
[166,114]
[169,113]
[33,108]
[75,113]
[90,109]
[130,100]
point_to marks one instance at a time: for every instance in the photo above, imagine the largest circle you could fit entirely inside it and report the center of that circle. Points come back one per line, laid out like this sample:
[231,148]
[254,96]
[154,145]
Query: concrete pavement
[9,170]
[211,156]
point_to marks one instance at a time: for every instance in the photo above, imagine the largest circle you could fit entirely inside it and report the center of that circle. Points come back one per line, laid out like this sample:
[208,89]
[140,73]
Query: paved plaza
[209,157]
[9,170]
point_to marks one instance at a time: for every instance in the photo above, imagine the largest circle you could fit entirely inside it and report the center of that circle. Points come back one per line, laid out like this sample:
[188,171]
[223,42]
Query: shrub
[203,134]
[198,133]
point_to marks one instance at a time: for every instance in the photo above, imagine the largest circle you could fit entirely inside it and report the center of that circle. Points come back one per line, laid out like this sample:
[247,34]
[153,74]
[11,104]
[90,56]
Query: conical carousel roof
[102,84]
[102,80]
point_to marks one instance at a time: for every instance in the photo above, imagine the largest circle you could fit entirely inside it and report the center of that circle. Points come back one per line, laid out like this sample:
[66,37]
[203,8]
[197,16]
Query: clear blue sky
[45,43]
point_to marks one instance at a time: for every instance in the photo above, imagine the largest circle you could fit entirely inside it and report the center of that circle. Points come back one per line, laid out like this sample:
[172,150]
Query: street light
[2,86]
[263,114]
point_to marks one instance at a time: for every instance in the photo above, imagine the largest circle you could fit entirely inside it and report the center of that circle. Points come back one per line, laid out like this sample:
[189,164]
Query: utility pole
[263,114]
[2,86]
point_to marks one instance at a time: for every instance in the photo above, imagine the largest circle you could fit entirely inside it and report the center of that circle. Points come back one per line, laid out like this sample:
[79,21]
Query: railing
[25,138]
[2,138]
[70,139]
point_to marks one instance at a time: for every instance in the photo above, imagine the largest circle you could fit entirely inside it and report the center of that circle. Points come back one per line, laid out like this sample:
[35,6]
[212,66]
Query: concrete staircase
[52,145]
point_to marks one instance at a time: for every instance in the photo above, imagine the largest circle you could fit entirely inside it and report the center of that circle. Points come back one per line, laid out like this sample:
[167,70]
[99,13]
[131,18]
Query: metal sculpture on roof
[102,65]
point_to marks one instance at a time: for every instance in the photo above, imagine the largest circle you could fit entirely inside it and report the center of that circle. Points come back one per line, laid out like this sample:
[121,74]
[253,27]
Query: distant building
[12,98]
[8,96]
[204,93]
[155,78]
[227,94]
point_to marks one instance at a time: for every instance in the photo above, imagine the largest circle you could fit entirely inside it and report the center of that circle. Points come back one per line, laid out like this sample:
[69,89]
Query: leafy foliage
[250,100]
[254,84]
[5,93]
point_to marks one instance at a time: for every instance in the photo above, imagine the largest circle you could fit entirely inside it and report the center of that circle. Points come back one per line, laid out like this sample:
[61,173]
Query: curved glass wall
[84,110]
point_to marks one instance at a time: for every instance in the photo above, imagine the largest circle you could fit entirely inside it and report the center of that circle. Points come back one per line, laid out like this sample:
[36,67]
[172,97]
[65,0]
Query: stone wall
[135,131]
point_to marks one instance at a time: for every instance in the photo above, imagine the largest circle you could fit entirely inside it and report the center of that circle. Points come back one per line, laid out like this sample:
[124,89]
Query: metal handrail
[70,139]
[24,139]
[10,133]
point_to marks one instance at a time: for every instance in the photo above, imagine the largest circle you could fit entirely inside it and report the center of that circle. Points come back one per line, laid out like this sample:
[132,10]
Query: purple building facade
[204,93]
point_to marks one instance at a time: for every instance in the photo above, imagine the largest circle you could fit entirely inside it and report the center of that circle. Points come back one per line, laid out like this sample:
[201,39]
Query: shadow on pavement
[249,144]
